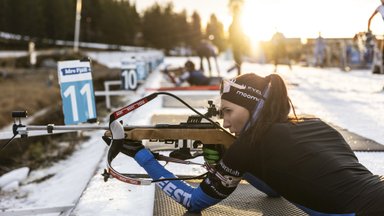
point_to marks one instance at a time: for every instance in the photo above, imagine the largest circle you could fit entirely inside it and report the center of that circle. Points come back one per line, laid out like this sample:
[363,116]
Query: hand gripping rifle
[194,129]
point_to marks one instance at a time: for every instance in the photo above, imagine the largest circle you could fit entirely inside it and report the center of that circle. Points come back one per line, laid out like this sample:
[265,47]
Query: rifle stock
[204,135]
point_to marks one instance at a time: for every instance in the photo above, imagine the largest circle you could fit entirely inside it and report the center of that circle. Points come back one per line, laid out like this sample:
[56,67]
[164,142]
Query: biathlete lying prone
[306,161]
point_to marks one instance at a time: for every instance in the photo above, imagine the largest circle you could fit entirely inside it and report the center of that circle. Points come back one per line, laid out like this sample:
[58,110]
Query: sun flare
[298,18]
[255,22]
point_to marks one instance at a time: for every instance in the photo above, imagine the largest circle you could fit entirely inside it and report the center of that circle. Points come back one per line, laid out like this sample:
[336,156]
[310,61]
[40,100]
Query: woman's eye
[225,110]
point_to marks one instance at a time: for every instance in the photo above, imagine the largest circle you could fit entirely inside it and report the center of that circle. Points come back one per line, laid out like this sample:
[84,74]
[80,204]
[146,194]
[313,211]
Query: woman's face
[234,116]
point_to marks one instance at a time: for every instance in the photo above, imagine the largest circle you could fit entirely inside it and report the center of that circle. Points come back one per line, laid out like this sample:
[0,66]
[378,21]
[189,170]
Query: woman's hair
[276,108]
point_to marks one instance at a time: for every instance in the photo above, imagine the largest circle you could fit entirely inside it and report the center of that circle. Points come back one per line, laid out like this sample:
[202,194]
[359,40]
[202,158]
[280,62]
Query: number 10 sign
[76,87]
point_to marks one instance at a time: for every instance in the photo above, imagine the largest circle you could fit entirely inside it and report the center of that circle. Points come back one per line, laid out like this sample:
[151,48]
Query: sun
[255,23]
[261,19]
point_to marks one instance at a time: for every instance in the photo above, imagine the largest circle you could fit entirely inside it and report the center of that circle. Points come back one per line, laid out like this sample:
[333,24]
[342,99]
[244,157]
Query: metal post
[107,101]
[77,26]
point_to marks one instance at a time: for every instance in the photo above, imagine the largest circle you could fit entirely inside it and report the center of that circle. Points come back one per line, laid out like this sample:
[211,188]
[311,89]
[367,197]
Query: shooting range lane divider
[108,93]
[135,70]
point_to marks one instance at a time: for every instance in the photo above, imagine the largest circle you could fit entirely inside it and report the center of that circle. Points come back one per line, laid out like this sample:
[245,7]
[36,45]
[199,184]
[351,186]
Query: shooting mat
[245,200]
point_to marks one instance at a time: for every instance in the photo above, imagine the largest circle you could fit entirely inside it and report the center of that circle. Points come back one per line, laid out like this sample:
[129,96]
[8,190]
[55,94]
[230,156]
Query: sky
[355,104]
[294,18]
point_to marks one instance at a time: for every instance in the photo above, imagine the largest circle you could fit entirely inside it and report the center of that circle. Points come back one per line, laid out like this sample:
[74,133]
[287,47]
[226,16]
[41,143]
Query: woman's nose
[226,123]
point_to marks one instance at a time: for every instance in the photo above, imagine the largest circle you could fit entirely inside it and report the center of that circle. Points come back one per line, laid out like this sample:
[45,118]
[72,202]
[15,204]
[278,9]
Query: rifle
[194,129]
[117,133]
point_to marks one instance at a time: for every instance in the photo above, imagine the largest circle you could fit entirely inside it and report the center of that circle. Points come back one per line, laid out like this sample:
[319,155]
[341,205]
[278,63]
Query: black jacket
[309,163]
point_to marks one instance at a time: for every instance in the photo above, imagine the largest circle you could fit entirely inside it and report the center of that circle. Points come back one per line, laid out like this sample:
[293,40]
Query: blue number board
[77,92]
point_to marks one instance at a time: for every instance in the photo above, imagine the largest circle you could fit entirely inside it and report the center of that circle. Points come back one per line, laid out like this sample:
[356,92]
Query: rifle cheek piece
[117,130]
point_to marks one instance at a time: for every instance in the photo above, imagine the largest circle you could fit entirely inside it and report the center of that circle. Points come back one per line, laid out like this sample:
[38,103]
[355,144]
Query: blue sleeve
[260,185]
[193,199]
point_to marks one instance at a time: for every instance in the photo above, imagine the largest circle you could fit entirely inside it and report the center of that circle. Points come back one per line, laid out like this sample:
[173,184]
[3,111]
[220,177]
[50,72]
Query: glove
[125,146]
[213,153]
[130,147]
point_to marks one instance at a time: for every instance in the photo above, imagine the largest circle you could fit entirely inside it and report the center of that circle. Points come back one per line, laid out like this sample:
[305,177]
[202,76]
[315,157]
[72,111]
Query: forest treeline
[110,22]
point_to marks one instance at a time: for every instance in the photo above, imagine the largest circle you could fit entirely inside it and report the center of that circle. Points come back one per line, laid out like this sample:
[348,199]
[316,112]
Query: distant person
[319,52]
[192,76]
[379,9]
[238,40]
[369,43]
[344,55]
[206,50]
[279,50]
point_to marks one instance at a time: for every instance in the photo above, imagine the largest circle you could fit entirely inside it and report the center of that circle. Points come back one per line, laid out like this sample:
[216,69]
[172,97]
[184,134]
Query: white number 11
[85,90]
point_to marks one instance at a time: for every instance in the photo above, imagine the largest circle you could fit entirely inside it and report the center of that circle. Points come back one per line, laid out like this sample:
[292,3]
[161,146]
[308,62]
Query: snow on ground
[352,100]
[68,178]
